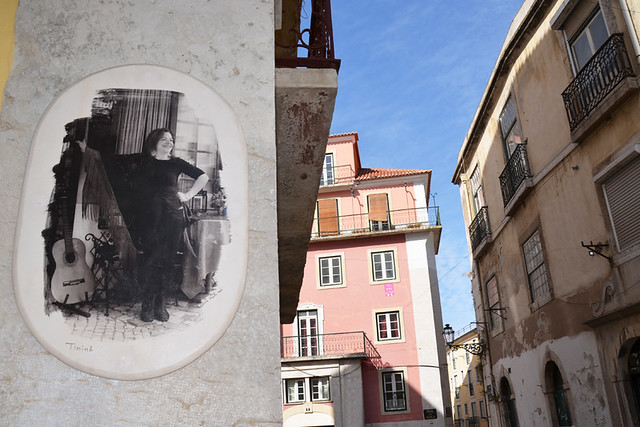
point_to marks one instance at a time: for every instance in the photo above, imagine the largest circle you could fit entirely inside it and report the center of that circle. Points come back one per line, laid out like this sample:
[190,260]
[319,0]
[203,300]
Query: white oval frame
[134,358]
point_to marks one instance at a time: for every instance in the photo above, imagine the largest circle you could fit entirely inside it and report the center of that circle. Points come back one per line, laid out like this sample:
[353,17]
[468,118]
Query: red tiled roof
[376,173]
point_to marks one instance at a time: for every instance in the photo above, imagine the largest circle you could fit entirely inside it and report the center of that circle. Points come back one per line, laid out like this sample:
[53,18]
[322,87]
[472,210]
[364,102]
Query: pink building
[366,346]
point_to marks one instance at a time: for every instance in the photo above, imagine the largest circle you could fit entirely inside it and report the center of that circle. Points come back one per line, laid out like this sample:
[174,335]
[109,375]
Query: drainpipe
[633,33]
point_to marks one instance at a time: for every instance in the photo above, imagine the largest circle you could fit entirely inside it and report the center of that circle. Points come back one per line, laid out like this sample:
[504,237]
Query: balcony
[329,346]
[360,224]
[480,231]
[599,87]
[515,179]
[337,176]
[313,36]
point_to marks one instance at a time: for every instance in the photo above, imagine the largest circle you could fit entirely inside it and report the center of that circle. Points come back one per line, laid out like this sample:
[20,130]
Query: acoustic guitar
[72,281]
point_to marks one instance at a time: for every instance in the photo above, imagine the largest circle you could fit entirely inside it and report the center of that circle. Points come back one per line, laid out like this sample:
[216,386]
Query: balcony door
[328,217]
[327,177]
[378,212]
[308,332]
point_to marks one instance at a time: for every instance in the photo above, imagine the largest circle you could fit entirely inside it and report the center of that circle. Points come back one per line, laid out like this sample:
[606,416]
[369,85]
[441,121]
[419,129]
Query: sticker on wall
[132,238]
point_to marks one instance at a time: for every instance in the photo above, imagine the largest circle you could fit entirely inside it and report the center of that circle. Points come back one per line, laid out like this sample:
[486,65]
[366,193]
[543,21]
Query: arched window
[508,404]
[557,395]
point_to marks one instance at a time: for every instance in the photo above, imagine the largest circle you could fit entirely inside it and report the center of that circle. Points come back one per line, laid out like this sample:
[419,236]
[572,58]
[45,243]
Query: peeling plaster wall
[228,46]
[578,360]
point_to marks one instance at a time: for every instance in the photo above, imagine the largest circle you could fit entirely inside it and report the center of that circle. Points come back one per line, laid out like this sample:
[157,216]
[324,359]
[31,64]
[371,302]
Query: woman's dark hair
[151,141]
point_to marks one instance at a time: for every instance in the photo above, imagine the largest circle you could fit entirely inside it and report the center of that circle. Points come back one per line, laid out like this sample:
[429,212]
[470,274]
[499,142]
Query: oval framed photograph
[131,247]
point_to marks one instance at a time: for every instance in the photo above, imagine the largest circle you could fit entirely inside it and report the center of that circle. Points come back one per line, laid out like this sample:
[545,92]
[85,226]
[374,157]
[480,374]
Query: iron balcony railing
[514,173]
[337,175]
[479,228]
[361,223]
[604,71]
[303,32]
[355,344]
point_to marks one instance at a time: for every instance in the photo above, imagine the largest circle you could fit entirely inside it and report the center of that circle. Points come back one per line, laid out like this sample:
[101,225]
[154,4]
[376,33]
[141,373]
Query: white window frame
[300,384]
[384,323]
[328,170]
[376,328]
[323,392]
[340,264]
[586,31]
[372,263]
[394,372]
[319,327]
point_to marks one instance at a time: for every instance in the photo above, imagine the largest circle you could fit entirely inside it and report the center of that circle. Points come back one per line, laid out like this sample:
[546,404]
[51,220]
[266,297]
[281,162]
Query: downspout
[633,33]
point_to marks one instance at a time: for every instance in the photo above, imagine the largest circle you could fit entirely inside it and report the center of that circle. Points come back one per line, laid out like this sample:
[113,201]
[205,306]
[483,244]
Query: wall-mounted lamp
[449,336]
[595,249]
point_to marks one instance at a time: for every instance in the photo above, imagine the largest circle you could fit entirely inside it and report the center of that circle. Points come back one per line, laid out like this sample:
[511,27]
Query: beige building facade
[549,174]
[466,379]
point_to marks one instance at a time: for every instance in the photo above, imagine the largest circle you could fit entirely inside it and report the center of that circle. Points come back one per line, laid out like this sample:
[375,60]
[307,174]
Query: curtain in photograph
[141,111]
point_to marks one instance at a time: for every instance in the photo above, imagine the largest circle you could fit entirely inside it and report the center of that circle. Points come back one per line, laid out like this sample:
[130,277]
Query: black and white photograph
[138,200]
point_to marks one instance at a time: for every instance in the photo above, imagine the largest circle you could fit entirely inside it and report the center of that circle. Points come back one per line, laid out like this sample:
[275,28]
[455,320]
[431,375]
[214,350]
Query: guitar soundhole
[70,257]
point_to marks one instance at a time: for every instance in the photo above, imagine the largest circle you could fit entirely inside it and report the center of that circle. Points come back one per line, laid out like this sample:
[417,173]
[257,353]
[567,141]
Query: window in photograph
[477,194]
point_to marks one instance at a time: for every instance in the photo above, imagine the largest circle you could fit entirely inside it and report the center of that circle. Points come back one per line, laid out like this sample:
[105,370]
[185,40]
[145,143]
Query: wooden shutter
[328,217]
[378,207]
[622,192]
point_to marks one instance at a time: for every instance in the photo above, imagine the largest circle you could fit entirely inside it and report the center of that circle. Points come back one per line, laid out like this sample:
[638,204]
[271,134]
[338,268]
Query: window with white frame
[383,265]
[510,127]
[586,34]
[536,270]
[388,326]
[295,390]
[474,410]
[623,204]
[320,389]
[477,194]
[482,410]
[394,394]
[331,270]
[300,390]
[327,177]
[472,391]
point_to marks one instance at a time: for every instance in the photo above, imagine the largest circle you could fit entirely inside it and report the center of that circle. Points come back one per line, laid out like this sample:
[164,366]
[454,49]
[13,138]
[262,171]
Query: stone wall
[229,47]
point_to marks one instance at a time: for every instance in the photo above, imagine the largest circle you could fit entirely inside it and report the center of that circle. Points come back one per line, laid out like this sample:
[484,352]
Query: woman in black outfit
[161,221]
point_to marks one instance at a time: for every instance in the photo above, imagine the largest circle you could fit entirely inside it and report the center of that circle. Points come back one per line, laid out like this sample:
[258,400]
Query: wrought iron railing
[315,36]
[515,172]
[355,344]
[361,223]
[479,228]
[337,175]
[473,422]
[608,67]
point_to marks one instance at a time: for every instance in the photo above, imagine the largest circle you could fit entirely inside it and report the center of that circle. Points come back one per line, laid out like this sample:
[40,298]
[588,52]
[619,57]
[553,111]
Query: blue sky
[412,75]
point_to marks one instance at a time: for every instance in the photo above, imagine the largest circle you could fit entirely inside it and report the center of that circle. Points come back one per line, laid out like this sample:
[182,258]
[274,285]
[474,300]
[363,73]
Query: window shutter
[328,217]
[622,193]
[378,207]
